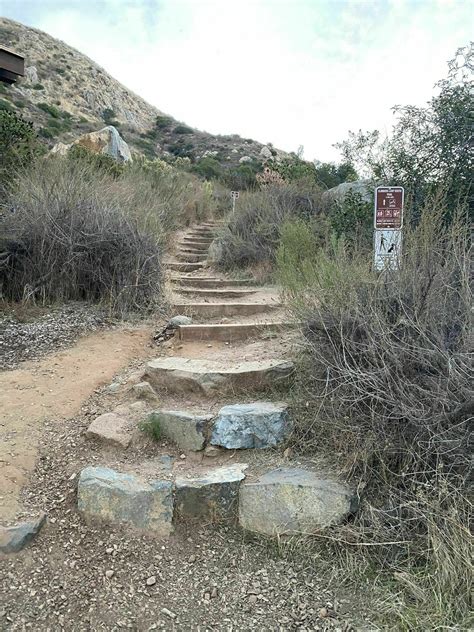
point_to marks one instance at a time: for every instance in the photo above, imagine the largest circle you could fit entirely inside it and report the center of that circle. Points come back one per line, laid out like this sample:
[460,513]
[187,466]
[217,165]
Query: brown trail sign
[388,208]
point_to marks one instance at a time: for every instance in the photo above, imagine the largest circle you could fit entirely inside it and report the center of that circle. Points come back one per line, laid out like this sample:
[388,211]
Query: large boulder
[212,496]
[293,500]
[256,425]
[363,187]
[105,141]
[187,430]
[108,496]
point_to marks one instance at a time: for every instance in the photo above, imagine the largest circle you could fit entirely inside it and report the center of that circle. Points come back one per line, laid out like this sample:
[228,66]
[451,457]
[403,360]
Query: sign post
[235,196]
[388,223]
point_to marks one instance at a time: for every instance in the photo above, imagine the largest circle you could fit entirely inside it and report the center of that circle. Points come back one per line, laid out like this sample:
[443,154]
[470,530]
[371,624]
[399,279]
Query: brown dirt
[54,388]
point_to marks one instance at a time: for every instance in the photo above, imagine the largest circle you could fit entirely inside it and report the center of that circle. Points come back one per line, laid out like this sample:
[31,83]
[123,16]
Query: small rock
[113,388]
[187,430]
[192,559]
[144,390]
[111,429]
[13,539]
[179,320]
[252,599]
[168,613]
[151,581]
[109,574]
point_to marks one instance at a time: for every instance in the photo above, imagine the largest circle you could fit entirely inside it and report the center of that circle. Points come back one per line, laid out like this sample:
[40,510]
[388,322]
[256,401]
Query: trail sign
[388,208]
[387,247]
[234,195]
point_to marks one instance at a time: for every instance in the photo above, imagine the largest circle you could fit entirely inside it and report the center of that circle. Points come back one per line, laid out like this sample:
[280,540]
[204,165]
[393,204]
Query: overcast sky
[290,72]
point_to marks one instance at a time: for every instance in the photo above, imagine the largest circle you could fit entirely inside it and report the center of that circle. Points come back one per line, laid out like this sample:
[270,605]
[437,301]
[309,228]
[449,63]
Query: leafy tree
[329,175]
[431,147]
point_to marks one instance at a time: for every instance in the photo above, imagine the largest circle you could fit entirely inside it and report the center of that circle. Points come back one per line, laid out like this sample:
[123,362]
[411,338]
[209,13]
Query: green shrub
[151,427]
[183,129]
[163,122]
[352,218]
[6,106]
[37,86]
[50,109]
[208,168]
[18,145]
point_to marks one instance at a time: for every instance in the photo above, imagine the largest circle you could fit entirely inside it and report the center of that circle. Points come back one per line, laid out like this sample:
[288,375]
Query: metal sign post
[234,195]
[388,222]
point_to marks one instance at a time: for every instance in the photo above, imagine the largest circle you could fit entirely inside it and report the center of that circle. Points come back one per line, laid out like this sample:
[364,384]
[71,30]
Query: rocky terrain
[65,94]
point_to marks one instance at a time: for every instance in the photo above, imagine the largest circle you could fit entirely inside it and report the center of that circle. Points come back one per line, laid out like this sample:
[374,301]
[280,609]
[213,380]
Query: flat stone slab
[144,390]
[105,495]
[187,430]
[212,497]
[205,376]
[217,293]
[112,429]
[15,538]
[291,501]
[255,425]
[207,282]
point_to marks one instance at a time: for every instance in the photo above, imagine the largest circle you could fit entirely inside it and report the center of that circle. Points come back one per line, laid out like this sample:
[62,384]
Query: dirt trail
[54,389]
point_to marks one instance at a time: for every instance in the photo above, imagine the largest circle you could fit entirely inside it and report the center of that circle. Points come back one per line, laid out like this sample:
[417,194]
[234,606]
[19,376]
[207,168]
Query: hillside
[65,94]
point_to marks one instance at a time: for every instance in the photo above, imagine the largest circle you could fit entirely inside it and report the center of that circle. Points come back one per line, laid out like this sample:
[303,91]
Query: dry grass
[386,389]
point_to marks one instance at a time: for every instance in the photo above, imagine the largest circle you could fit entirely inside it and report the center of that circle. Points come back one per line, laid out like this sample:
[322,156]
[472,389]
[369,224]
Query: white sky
[290,72]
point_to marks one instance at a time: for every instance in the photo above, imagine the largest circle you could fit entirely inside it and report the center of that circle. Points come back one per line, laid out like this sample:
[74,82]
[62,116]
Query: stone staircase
[201,399]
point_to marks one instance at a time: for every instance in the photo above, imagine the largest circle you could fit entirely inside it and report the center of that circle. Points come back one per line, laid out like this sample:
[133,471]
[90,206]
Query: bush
[352,218]
[37,86]
[50,109]
[183,129]
[208,168]
[386,386]
[252,235]
[72,237]
[18,145]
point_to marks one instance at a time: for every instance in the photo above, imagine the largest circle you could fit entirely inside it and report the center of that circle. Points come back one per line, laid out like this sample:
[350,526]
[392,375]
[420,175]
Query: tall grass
[386,388]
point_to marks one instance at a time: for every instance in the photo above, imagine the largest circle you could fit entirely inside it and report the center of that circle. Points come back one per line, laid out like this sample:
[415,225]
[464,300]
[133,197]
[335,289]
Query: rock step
[197,245]
[193,251]
[190,258]
[206,377]
[181,266]
[197,239]
[213,293]
[210,282]
[283,501]
[216,310]
[230,332]
[255,425]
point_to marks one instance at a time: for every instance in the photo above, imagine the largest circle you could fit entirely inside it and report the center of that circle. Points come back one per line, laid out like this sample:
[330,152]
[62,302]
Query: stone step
[216,310]
[192,251]
[207,377]
[181,266]
[289,501]
[210,282]
[190,258]
[197,244]
[230,332]
[219,293]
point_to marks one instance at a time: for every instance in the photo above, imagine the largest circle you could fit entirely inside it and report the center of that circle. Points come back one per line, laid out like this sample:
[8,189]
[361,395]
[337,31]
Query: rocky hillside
[66,94]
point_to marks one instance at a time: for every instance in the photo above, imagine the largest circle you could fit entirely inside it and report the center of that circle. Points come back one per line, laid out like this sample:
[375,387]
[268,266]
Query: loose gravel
[58,328]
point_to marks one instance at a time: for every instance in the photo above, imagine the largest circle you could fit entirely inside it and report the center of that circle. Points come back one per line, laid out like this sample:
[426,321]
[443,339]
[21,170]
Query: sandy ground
[54,389]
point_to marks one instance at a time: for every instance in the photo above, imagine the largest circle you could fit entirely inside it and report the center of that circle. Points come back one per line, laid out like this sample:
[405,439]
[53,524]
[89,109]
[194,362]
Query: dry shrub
[70,232]
[386,388]
[252,234]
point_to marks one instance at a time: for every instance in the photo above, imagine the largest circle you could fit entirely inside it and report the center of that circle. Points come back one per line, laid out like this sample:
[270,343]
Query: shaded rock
[206,376]
[187,430]
[213,496]
[105,141]
[245,159]
[144,390]
[112,429]
[13,539]
[179,320]
[289,501]
[256,425]
[31,74]
[363,187]
[114,498]
[266,153]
